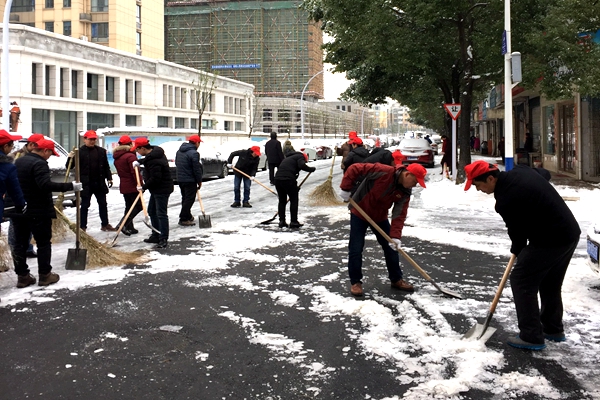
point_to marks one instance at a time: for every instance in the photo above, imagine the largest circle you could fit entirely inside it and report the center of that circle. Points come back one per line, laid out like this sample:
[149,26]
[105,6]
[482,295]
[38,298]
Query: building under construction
[268,43]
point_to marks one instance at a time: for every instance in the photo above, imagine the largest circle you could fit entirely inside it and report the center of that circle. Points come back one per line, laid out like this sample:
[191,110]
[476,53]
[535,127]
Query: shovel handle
[385,235]
[254,180]
[124,220]
[511,262]
[200,201]
[77,200]
[141,192]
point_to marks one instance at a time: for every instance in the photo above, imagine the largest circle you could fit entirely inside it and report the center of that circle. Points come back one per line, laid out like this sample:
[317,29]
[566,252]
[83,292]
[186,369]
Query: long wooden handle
[124,220]
[511,262]
[200,201]
[141,192]
[386,236]
[254,180]
[77,201]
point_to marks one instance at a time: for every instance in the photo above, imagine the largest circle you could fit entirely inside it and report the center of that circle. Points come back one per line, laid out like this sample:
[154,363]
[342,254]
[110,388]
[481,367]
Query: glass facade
[65,128]
[98,120]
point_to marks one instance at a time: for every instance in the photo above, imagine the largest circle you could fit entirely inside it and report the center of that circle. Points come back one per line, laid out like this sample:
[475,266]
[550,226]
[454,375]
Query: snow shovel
[288,200]
[146,217]
[483,331]
[123,221]
[254,180]
[204,220]
[77,257]
[403,253]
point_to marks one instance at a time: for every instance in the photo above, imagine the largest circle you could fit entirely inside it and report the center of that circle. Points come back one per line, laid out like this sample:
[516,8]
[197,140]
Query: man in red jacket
[375,188]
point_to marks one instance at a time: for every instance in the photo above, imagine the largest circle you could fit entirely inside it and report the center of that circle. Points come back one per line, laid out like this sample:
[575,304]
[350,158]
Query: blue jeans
[157,209]
[237,181]
[358,230]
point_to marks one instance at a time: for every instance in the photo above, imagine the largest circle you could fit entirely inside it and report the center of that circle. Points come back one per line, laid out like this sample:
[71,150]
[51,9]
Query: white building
[65,85]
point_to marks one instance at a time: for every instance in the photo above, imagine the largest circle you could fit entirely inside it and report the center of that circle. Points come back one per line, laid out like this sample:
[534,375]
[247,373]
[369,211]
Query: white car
[593,244]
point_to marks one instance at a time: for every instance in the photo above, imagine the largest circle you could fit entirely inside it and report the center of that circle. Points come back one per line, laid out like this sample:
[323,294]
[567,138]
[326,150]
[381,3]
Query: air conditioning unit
[84,38]
[14,18]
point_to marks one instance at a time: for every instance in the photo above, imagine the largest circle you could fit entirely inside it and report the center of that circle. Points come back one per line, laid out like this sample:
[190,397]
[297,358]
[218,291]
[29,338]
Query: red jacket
[377,189]
[124,159]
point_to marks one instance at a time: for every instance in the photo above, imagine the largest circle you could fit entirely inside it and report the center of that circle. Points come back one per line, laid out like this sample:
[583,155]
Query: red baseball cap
[398,157]
[305,157]
[140,142]
[477,168]
[36,137]
[419,172]
[352,134]
[91,134]
[125,139]
[255,150]
[6,137]
[46,144]
[195,139]
[355,140]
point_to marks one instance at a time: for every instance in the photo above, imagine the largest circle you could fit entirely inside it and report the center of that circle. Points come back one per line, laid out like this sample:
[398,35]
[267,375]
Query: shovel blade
[479,332]
[204,221]
[76,259]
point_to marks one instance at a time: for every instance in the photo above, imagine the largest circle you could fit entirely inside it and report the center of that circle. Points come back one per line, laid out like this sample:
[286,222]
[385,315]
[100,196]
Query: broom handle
[69,167]
[77,200]
[254,180]
[137,178]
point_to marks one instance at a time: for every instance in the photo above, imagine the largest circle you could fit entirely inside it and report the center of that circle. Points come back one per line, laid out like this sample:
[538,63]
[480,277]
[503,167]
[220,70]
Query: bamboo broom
[324,195]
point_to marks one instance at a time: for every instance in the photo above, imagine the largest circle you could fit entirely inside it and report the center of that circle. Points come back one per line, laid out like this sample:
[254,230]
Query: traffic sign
[453,110]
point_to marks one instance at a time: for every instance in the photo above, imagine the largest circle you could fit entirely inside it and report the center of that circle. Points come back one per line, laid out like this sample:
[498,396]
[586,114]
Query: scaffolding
[270,44]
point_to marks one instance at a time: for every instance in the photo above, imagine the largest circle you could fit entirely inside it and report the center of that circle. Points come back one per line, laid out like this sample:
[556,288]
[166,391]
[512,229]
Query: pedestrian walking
[248,163]
[447,157]
[124,158]
[34,178]
[274,155]
[376,188]
[356,155]
[543,234]
[158,181]
[288,148]
[95,174]
[189,177]
[287,186]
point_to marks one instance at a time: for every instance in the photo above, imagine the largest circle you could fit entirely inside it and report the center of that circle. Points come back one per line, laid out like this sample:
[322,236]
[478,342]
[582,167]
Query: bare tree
[257,113]
[203,88]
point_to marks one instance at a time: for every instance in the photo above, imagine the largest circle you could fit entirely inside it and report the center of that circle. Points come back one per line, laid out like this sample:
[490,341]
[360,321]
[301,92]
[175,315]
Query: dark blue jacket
[187,162]
[9,183]
[157,175]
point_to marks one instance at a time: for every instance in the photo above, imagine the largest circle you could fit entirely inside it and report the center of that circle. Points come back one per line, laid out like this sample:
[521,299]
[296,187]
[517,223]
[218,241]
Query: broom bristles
[324,195]
[5,255]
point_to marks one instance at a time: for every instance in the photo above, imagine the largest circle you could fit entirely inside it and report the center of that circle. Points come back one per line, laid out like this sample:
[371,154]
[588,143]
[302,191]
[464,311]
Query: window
[100,32]
[49,80]
[349,108]
[49,26]
[92,87]
[128,91]
[162,122]
[99,5]
[267,128]
[110,89]
[298,115]
[67,28]
[40,121]
[75,84]
[283,115]
[131,120]
[550,131]
[267,115]
[193,123]
[49,4]
[66,3]
[22,6]
[64,82]
[138,16]
[34,68]
[228,125]
[207,124]
[179,123]
[138,92]
[138,41]
[238,126]
[96,121]
[65,128]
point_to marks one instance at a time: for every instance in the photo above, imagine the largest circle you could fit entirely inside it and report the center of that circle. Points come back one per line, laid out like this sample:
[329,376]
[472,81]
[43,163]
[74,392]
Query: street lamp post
[302,102]
[5,81]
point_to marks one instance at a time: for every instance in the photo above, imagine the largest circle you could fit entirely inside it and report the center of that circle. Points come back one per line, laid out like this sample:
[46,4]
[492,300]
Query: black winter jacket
[356,155]
[290,167]
[9,184]
[188,164]
[34,177]
[157,176]
[533,210]
[246,162]
[379,155]
[274,152]
[102,171]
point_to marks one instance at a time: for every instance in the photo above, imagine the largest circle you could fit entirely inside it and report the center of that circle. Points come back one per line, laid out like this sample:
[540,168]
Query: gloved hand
[71,154]
[345,195]
[312,169]
[135,164]
[21,209]
[77,186]
[110,183]
[229,166]
[395,244]
[140,189]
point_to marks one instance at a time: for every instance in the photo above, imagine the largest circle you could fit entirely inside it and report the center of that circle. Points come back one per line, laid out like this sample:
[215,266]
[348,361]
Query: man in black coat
[157,179]
[95,172]
[544,235]
[274,154]
[247,163]
[286,185]
[189,177]
[356,155]
[34,177]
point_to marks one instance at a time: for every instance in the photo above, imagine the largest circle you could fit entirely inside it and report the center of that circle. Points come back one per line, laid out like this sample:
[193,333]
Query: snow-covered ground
[443,213]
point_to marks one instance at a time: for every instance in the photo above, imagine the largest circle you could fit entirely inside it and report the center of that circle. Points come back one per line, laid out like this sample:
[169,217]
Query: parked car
[212,162]
[57,167]
[324,152]
[311,152]
[593,244]
[416,151]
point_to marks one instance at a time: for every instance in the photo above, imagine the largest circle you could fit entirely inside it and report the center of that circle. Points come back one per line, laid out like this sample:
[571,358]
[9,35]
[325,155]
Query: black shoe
[152,239]
[31,254]
[282,224]
[296,225]
[247,205]
[236,204]
[133,231]
[125,232]
[162,244]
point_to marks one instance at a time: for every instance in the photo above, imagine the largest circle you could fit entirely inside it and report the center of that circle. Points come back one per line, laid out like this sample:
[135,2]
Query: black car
[213,163]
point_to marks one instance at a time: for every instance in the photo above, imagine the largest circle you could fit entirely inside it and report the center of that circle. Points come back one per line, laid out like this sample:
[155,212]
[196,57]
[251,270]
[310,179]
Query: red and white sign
[453,110]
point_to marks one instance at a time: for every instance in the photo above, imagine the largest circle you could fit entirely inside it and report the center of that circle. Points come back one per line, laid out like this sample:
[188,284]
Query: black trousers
[99,190]
[285,189]
[540,270]
[188,196]
[129,199]
[272,167]
[41,229]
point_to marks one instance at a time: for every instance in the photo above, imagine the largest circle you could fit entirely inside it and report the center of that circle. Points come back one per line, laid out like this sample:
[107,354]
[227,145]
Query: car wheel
[224,171]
